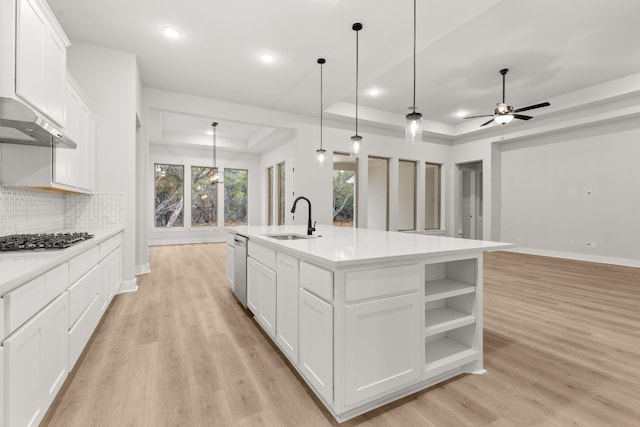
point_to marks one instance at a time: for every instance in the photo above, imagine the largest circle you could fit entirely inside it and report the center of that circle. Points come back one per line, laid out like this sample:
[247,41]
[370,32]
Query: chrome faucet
[310,229]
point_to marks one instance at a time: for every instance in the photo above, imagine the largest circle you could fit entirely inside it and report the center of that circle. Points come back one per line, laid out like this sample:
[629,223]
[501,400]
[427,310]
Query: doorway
[470,200]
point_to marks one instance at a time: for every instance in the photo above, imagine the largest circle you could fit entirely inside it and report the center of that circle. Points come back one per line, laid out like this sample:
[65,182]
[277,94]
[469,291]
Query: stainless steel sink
[289,236]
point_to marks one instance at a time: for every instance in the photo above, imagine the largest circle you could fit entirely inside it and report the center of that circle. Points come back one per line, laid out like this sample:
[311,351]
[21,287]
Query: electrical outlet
[591,245]
[572,243]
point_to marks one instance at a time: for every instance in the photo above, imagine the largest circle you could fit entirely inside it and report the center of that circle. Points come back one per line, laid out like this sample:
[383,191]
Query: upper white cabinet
[40,58]
[75,168]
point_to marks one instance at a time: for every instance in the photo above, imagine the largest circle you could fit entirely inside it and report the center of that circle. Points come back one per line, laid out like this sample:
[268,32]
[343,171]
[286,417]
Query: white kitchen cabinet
[287,306]
[36,364]
[253,286]
[382,346]
[452,331]
[40,58]
[75,167]
[261,295]
[316,343]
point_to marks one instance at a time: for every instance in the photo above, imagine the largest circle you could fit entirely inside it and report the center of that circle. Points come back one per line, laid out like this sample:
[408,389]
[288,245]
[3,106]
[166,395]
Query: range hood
[19,124]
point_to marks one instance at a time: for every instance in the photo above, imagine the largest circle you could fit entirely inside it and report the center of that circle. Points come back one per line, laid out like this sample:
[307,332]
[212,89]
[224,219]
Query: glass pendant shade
[413,130]
[503,119]
[356,144]
[321,156]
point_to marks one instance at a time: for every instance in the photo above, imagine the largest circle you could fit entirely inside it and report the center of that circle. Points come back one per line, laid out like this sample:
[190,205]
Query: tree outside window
[204,197]
[169,195]
[235,196]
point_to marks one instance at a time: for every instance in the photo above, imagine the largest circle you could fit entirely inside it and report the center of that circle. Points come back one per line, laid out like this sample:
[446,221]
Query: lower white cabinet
[287,306]
[382,346]
[82,330]
[316,343]
[261,294]
[37,357]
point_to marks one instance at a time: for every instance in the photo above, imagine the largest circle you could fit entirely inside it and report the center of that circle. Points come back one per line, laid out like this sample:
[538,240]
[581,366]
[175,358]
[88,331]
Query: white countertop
[17,268]
[343,246]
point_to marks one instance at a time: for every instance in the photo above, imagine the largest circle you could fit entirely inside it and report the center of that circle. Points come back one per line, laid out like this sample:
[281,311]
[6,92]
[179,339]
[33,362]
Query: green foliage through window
[235,196]
[343,197]
[169,195]
[204,197]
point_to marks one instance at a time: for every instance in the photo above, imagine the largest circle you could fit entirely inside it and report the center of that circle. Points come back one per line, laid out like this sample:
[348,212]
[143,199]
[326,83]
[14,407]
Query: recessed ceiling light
[209,132]
[171,33]
[267,58]
[374,91]
[460,113]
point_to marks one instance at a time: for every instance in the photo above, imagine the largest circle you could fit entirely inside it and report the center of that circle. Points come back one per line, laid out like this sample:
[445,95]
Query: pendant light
[215,179]
[321,151]
[356,140]
[413,130]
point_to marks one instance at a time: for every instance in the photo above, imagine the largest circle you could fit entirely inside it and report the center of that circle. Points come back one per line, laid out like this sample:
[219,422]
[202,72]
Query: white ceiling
[552,47]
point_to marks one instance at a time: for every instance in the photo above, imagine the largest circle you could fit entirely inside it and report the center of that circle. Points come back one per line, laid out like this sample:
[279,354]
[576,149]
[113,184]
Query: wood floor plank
[562,348]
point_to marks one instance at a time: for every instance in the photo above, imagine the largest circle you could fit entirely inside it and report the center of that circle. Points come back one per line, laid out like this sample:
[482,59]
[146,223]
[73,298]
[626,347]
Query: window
[344,189]
[270,196]
[281,193]
[378,194]
[204,197]
[432,197]
[235,196]
[407,195]
[169,195]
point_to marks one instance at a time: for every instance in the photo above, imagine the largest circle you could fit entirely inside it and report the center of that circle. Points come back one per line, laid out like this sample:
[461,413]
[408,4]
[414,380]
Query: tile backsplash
[28,211]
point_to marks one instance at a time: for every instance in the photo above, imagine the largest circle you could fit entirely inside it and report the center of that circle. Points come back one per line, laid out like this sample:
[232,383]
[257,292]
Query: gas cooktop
[32,242]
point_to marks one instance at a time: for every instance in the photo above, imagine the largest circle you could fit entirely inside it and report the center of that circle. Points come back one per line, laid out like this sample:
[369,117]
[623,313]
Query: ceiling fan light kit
[505,113]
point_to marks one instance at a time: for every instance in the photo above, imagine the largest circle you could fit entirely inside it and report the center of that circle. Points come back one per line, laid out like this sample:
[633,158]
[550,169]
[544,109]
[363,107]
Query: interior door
[467,202]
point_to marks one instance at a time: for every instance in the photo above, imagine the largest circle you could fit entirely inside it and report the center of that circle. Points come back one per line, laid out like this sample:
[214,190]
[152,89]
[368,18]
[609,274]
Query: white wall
[110,79]
[406,195]
[199,156]
[377,193]
[561,191]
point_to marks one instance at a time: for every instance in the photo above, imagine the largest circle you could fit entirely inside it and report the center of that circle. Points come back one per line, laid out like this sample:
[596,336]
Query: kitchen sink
[289,236]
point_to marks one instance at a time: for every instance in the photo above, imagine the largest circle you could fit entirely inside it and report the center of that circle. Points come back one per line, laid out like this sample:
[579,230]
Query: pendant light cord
[321,107]
[414,56]
[215,164]
[357,68]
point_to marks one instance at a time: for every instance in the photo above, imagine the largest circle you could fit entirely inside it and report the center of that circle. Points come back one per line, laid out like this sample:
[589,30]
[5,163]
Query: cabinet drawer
[83,263]
[24,302]
[109,245]
[381,282]
[263,255]
[81,332]
[316,280]
[83,292]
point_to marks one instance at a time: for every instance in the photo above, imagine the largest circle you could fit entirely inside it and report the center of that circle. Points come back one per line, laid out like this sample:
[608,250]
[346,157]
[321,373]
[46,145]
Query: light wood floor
[562,347]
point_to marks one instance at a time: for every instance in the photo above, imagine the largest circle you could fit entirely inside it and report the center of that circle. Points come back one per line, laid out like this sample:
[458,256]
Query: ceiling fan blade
[475,117]
[522,117]
[486,123]
[532,107]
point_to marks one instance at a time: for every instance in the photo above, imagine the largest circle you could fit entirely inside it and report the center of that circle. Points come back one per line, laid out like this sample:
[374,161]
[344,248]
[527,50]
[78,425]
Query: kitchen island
[366,316]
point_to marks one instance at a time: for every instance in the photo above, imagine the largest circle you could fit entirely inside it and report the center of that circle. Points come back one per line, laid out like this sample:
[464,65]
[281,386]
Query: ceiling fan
[504,113]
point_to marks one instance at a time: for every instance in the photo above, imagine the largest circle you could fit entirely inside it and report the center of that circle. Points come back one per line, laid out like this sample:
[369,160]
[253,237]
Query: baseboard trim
[625,262]
[186,241]
[143,269]
[129,286]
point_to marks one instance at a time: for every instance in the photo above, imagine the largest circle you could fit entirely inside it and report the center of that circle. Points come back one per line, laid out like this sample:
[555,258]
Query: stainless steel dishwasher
[240,268]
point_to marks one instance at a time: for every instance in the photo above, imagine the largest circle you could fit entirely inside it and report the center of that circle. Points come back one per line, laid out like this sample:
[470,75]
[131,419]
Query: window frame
[155,197]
